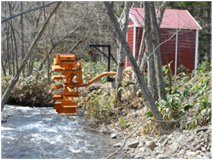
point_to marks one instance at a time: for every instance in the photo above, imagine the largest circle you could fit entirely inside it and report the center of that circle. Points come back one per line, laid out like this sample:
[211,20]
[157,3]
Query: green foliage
[167,73]
[123,124]
[126,88]
[149,114]
[4,83]
[29,90]
[204,67]
[98,104]
[96,97]
[93,69]
[118,13]
[108,102]
[120,7]
[187,4]
[189,95]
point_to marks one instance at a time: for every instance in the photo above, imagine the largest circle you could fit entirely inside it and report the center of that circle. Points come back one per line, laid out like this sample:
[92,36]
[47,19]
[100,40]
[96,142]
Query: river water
[41,133]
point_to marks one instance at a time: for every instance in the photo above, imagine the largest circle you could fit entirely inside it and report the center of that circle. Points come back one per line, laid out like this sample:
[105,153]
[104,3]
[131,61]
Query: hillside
[188,108]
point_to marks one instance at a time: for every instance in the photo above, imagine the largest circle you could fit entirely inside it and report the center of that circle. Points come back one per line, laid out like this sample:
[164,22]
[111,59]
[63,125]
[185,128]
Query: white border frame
[176,52]
[196,49]
[134,46]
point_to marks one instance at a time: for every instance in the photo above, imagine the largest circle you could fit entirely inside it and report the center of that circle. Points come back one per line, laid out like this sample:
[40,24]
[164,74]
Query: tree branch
[16,15]
[24,61]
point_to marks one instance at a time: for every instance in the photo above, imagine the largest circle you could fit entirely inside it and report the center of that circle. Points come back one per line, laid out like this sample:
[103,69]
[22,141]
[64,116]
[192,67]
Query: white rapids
[41,133]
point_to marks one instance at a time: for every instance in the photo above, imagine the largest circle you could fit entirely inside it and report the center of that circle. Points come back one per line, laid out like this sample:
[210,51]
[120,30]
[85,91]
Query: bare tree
[19,14]
[144,89]
[124,19]
[22,37]
[150,62]
[209,15]
[3,67]
[8,50]
[29,52]
[155,42]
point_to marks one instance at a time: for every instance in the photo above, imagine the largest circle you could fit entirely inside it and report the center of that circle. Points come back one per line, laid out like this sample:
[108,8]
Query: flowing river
[41,133]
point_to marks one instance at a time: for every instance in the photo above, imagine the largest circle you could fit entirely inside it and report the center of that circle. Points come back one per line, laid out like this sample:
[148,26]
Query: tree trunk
[29,52]
[119,76]
[22,38]
[141,57]
[150,63]
[146,93]
[209,34]
[30,64]
[3,67]
[3,63]
[157,54]
[8,50]
[12,52]
[15,55]
[120,57]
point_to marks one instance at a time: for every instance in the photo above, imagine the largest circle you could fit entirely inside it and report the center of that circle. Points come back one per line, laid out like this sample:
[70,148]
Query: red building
[178,26]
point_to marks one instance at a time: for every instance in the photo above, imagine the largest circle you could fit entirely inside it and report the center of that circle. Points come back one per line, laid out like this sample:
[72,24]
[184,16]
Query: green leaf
[196,87]
[120,89]
[149,114]
[186,93]
[205,98]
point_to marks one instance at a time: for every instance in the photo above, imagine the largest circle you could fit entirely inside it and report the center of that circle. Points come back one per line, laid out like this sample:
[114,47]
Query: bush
[189,97]
[31,92]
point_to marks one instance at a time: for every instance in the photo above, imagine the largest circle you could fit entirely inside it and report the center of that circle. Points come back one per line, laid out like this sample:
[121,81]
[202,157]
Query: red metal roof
[172,18]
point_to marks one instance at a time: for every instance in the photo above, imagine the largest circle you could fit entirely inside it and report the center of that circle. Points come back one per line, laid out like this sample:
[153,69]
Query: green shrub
[189,96]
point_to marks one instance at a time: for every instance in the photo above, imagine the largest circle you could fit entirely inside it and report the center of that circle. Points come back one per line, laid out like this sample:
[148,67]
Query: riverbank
[183,144]
[176,144]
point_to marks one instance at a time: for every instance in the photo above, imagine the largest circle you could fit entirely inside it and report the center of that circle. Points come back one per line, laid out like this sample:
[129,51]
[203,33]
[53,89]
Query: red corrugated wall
[130,22]
[185,50]
[168,48]
[130,35]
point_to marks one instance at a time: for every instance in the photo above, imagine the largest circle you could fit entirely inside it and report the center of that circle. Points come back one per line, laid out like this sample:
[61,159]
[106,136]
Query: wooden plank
[57,68]
[57,77]
[66,56]
[57,105]
[73,84]
[71,111]
[70,102]
[57,97]
[56,62]
[69,106]
[71,94]
[67,65]
[70,72]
